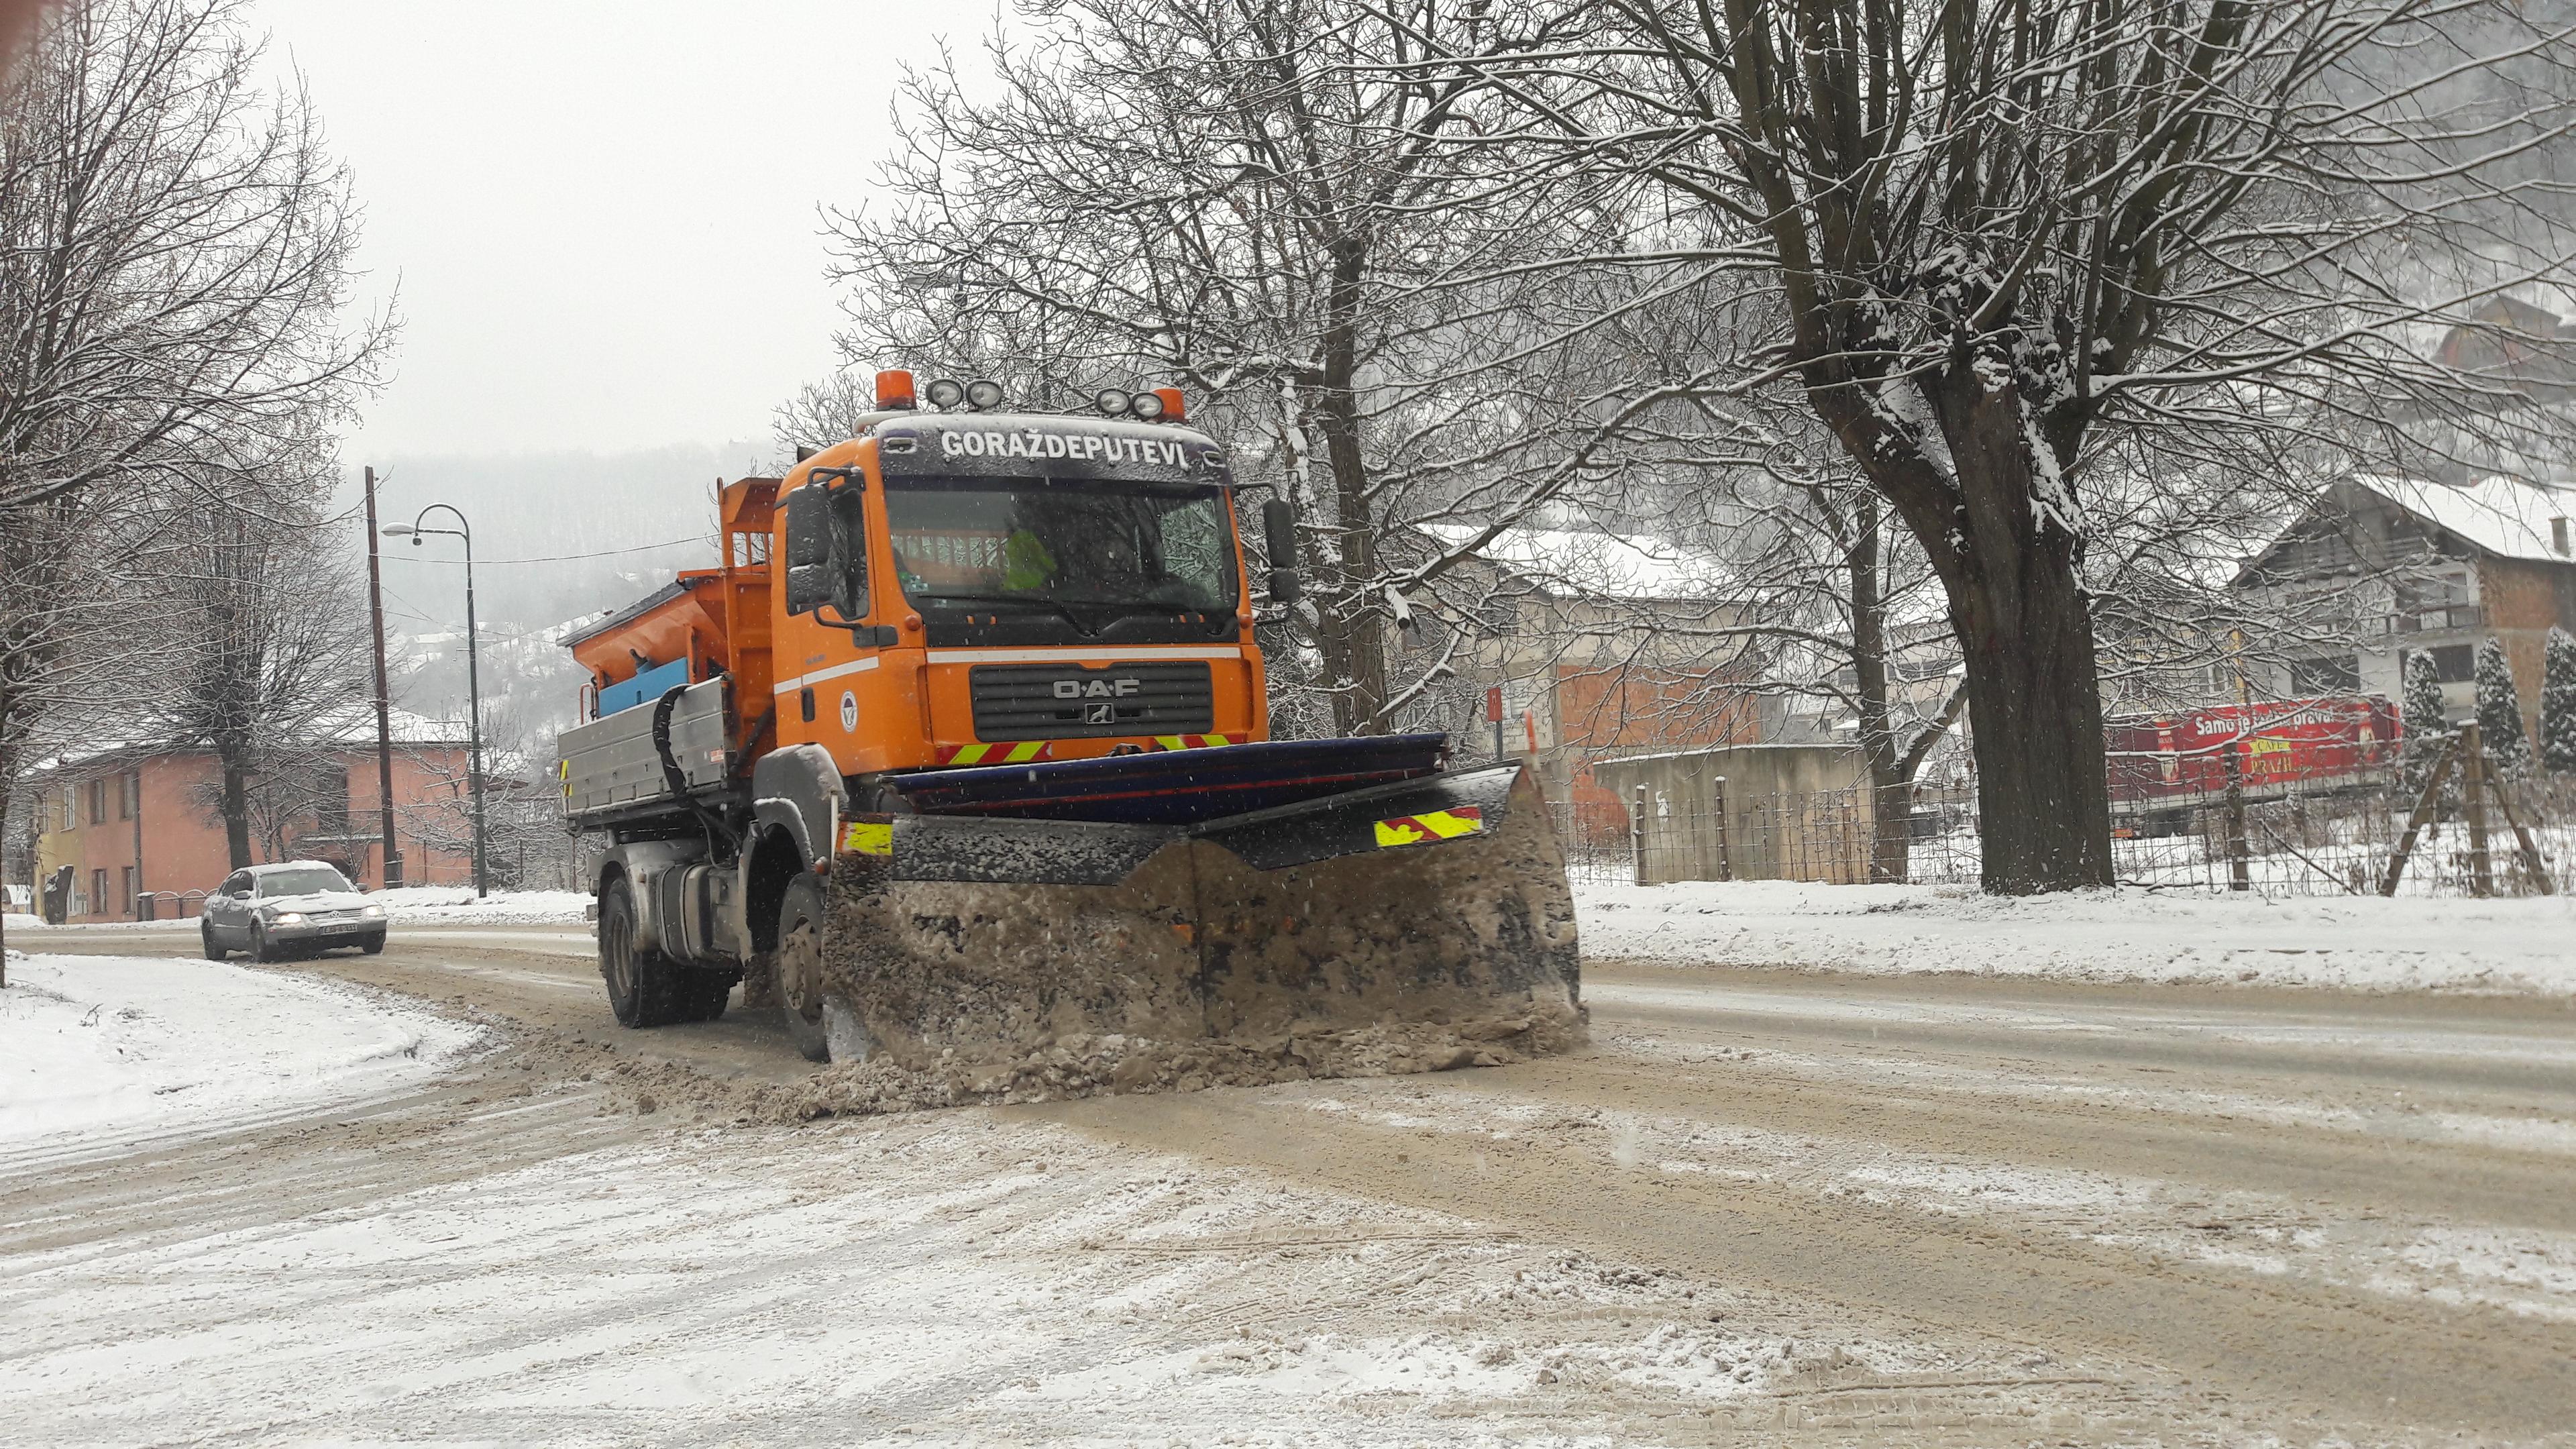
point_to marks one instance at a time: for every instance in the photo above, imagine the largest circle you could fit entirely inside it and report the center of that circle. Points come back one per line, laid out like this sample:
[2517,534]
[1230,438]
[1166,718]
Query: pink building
[137,820]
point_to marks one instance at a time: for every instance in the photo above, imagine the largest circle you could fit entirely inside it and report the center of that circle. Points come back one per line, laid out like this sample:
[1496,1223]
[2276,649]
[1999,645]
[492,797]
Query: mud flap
[976,940]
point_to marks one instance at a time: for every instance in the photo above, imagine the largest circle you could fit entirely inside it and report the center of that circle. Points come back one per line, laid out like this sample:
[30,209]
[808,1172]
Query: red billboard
[2185,754]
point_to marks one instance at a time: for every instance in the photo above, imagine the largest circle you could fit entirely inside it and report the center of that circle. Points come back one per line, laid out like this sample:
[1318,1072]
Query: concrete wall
[1748,812]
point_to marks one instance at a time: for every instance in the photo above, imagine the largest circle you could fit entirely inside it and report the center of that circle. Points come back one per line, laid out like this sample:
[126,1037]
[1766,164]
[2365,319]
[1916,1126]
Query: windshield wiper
[1025,600]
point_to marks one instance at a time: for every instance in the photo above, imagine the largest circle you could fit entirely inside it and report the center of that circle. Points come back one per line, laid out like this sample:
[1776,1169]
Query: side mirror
[810,582]
[1279,537]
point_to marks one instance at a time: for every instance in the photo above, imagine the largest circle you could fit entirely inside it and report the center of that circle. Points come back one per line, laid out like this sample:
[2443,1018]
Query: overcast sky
[602,217]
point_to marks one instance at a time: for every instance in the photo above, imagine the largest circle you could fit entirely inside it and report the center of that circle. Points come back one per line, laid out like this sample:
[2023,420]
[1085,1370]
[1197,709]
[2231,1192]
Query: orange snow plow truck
[962,752]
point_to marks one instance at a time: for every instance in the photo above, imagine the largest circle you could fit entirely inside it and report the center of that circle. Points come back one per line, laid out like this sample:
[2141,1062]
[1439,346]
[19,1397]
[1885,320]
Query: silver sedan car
[294,907]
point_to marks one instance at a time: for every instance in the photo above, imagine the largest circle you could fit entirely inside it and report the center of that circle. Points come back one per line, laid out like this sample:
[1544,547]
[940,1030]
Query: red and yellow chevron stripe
[1431,825]
[1018,753]
[1195,742]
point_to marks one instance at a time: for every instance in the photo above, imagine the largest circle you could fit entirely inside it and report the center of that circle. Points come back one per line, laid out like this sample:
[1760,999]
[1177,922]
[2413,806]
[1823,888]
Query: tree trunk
[1891,829]
[2005,545]
[2043,805]
[8,788]
[1362,692]
[236,806]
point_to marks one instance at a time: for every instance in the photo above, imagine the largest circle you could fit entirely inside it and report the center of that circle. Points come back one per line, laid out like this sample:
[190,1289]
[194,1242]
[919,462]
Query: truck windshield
[1050,544]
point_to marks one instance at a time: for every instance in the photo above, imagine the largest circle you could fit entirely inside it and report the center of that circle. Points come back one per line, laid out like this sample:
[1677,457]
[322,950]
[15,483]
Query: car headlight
[372,912]
[287,918]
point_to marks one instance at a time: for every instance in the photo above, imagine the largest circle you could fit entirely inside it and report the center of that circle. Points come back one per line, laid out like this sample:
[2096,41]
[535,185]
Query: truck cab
[956,589]
[964,589]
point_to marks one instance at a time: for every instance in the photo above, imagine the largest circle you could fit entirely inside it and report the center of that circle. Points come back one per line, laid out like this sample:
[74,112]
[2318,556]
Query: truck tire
[708,992]
[822,1024]
[645,987]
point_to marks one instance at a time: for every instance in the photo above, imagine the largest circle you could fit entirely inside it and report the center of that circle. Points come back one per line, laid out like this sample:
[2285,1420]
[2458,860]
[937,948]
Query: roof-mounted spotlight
[1112,401]
[945,392]
[1147,406]
[983,394]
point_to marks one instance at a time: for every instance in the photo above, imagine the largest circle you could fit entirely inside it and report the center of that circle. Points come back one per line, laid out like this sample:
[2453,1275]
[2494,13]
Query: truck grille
[1067,701]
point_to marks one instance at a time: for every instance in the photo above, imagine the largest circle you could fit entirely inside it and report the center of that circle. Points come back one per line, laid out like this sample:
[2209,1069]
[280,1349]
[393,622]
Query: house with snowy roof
[133,831]
[1596,642]
[2413,566]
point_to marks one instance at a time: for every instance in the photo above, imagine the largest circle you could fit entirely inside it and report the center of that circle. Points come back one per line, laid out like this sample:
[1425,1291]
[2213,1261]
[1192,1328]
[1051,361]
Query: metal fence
[2314,843]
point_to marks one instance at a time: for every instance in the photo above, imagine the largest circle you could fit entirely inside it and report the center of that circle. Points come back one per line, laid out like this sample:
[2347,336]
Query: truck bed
[613,771]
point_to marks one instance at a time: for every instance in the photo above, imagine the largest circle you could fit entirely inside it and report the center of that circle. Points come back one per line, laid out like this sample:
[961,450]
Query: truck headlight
[287,918]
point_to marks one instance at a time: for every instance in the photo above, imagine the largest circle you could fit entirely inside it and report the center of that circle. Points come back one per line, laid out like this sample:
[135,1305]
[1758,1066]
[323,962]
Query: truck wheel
[644,986]
[823,1024]
[214,952]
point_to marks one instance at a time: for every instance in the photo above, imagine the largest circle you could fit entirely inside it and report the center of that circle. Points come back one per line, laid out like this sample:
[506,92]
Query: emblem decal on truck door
[849,713]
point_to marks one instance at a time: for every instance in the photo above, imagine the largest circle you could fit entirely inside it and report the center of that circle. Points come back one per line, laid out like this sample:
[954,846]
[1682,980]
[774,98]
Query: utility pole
[384,699]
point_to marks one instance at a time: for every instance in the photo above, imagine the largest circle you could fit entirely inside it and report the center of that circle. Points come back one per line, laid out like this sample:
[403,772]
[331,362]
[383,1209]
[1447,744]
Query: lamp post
[416,530]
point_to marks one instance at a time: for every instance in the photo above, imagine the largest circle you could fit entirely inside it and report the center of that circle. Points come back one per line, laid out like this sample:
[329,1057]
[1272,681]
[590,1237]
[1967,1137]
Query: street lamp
[415,530]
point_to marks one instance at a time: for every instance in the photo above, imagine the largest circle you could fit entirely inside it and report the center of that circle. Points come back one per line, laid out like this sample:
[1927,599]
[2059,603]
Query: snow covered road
[1769,1207]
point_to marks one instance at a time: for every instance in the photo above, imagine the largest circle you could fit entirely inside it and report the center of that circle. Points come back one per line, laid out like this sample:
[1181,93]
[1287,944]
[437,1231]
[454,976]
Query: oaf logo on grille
[1098,696]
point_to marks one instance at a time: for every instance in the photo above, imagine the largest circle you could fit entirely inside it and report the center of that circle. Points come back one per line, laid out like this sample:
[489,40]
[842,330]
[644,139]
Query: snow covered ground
[409,906]
[456,905]
[2521,945]
[107,1051]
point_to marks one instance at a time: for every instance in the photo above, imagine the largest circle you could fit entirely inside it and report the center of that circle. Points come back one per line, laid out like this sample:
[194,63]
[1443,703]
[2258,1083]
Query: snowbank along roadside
[408,906]
[101,1052]
[2523,945]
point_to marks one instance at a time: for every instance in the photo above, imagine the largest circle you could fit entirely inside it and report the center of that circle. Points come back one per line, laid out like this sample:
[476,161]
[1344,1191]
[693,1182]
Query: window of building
[2310,678]
[2455,663]
[129,790]
[71,807]
[331,800]
[2436,599]
[98,802]
[98,890]
[125,902]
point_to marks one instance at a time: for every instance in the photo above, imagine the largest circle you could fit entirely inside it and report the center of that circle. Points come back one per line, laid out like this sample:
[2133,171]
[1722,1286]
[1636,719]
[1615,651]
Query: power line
[567,557]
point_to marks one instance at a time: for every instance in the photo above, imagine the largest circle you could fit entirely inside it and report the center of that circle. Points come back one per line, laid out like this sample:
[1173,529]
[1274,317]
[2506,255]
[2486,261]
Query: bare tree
[174,251]
[1828,602]
[822,413]
[1231,194]
[270,649]
[1993,240]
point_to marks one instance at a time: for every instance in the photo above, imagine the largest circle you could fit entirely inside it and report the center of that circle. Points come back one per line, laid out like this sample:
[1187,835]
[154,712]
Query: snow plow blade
[1425,921]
